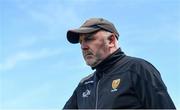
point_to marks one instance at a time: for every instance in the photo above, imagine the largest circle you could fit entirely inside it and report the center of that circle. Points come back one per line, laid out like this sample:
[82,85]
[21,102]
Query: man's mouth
[88,55]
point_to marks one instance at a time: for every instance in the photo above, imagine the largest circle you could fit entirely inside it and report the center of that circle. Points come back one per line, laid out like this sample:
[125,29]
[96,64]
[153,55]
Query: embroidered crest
[115,84]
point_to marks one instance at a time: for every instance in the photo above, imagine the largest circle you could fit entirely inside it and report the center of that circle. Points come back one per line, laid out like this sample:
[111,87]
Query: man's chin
[90,63]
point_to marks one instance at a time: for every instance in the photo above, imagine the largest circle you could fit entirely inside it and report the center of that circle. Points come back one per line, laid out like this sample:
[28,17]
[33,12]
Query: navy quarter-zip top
[121,82]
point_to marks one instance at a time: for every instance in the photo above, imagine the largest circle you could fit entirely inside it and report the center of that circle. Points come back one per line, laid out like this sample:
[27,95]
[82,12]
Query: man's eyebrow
[89,36]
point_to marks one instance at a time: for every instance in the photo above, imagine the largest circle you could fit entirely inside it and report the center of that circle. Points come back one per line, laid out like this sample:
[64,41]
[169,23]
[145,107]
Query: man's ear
[111,39]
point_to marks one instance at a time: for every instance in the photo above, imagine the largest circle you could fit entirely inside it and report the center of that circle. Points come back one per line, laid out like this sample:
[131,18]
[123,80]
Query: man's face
[94,47]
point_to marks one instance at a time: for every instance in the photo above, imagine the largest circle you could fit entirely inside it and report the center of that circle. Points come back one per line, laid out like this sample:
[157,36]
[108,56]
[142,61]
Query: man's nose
[84,46]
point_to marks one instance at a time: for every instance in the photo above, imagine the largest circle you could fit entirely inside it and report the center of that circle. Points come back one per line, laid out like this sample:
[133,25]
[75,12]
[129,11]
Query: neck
[112,50]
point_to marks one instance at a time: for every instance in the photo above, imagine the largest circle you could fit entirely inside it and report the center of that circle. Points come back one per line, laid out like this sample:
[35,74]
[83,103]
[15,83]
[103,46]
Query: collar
[107,63]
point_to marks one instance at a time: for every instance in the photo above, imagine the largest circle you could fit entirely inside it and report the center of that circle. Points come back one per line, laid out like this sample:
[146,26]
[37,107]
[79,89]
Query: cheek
[102,50]
[99,47]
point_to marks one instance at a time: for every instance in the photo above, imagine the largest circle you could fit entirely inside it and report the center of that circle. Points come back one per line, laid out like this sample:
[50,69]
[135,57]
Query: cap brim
[73,35]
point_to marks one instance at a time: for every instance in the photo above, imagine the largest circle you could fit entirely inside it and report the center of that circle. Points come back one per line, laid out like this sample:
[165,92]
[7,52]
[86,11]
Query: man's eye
[88,39]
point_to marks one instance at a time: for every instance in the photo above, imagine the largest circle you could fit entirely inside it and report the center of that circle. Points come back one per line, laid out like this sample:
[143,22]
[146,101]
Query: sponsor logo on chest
[86,93]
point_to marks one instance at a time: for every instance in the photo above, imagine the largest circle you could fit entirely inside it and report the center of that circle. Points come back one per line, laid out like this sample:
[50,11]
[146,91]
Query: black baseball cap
[90,26]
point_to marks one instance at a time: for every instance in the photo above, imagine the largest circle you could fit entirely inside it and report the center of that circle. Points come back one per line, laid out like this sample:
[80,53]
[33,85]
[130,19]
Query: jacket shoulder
[135,62]
[86,78]
[135,59]
[139,66]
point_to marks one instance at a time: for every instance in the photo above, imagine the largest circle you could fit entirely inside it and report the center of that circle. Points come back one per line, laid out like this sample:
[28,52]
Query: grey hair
[108,34]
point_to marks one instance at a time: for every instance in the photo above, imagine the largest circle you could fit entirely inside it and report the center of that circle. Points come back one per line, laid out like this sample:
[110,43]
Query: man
[120,81]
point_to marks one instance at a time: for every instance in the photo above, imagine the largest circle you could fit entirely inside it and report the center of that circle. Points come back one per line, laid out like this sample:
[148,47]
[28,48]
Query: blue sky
[39,69]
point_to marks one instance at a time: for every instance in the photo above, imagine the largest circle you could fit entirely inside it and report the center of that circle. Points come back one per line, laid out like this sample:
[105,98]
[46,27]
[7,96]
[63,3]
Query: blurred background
[39,68]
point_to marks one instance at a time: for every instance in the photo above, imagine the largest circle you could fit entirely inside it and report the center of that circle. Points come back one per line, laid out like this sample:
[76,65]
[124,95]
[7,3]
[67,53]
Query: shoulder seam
[86,78]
